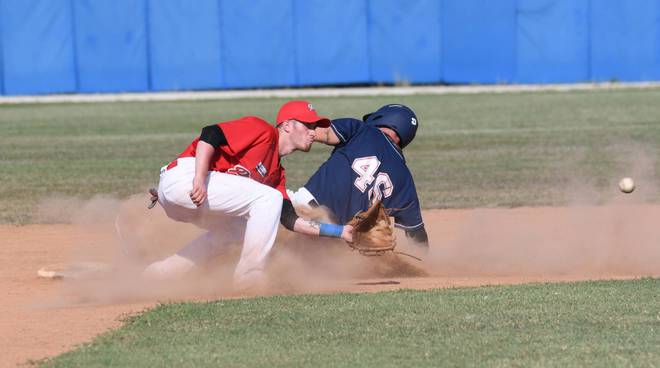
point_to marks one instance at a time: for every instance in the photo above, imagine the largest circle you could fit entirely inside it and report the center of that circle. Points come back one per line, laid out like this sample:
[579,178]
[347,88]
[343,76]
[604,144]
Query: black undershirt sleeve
[419,236]
[213,135]
[289,216]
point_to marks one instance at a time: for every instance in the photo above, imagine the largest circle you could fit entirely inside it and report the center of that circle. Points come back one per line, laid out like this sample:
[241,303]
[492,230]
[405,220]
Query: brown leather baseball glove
[373,232]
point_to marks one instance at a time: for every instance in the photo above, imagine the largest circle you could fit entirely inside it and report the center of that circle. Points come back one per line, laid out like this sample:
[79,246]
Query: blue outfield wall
[2,81]
[625,41]
[324,53]
[67,46]
[552,41]
[184,54]
[412,56]
[111,45]
[478,41]
[37,47]
[258,43]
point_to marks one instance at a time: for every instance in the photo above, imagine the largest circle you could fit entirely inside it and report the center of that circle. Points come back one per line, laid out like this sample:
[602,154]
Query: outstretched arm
[327,136]
[291,221]
[311,227]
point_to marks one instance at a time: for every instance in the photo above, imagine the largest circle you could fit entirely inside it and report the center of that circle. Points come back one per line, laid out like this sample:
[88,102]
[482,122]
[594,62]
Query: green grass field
[471,151]
[488,150]
[595,324]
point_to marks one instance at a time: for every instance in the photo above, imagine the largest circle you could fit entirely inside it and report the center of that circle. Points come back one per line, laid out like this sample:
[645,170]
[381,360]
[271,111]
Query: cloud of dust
[309,264]
[585,239]
[75,210]
[599,234]
[572,241]
[301,263]
[127,236]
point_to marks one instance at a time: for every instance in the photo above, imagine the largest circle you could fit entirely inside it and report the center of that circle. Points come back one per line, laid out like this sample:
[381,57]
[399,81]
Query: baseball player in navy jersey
[230,181]
[366,165]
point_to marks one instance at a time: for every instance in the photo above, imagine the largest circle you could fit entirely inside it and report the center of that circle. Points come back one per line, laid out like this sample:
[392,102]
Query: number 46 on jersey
[366,169]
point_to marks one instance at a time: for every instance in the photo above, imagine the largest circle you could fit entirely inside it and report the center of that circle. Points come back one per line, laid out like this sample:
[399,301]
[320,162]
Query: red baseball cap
[303,112]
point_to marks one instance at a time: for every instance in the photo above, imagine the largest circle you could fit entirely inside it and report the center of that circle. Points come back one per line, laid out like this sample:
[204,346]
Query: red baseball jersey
[251,151]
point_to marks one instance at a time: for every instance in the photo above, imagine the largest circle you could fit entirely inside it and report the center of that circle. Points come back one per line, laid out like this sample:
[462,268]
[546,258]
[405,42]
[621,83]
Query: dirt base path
[41,318]
[31,327]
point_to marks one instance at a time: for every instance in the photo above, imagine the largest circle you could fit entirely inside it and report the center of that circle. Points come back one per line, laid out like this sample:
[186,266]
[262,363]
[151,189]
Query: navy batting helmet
[399,118]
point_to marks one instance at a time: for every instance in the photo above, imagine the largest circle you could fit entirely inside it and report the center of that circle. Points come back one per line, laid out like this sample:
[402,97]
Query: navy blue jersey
[365,166]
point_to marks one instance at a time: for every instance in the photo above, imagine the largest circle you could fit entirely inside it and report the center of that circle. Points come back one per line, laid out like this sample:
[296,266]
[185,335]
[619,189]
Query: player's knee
[275,199]
[178,197]
[270,202]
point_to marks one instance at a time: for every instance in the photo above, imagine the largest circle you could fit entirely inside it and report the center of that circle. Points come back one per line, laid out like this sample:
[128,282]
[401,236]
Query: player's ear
[286,126]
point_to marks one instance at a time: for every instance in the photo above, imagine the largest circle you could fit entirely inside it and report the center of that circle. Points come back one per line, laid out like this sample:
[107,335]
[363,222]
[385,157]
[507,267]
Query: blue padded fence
[409,56]
[331,42]
[258,43]
[184,54]
[546,52]
[485,51]
[625,43]
[111,45]
[37,47]
[69,46]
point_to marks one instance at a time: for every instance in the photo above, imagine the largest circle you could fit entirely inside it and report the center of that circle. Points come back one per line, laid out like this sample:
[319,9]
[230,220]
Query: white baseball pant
[236,207]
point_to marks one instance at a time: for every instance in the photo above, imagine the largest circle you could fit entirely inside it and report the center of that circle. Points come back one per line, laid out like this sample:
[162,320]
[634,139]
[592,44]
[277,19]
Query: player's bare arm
[310,227]
[327,136]
[210,139]
[203,155]
[291,221]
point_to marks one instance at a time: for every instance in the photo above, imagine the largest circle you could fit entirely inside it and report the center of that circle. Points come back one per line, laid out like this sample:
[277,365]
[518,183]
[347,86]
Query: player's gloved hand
[154,198]
[198,193]
[347,233]
[373,233]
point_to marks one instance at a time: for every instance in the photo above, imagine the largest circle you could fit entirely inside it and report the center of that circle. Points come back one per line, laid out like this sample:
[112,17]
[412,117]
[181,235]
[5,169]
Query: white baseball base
[75,270]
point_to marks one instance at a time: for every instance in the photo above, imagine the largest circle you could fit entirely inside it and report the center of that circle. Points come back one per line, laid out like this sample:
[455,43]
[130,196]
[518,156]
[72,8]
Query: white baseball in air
[627,185]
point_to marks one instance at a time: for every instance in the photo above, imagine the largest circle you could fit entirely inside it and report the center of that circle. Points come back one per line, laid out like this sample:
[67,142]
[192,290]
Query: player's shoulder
[349,128]
[256,122]
[350,124]
[252,125]
[345,121]
[375,139]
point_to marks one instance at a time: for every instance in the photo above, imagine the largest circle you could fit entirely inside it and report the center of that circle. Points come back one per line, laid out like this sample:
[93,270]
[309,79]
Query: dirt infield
[41,318]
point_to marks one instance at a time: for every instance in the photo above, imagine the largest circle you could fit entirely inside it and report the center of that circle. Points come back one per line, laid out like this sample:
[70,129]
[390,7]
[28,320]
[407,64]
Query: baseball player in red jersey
[230,182]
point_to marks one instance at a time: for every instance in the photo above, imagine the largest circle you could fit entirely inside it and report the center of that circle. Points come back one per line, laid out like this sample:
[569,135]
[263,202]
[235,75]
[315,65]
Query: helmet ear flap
[372,117]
